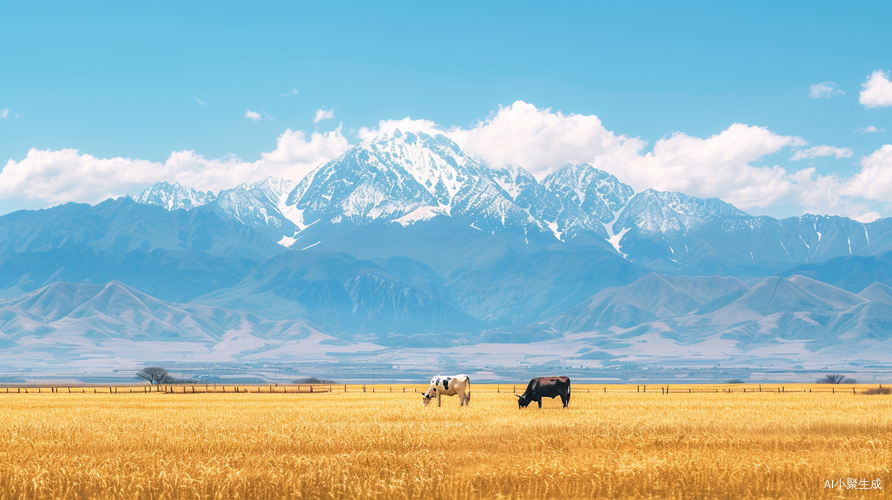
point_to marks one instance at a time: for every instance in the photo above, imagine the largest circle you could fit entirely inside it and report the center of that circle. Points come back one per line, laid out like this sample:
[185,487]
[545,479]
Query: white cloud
[732,165]
[824,90]
[69,175]
[406,125]
[4,113]
[877,91]
[826,195]
[541,140]
[874,181]
[870,129]
[199,101]
[289,93]
[268,117]
[252,115]
[323,114]
[821,151]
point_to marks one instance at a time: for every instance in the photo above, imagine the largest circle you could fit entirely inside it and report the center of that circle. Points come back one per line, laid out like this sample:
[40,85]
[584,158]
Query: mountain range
[406,242]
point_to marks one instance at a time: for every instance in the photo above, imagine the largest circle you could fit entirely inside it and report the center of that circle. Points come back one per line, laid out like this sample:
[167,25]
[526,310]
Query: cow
[545,387]
[442,385]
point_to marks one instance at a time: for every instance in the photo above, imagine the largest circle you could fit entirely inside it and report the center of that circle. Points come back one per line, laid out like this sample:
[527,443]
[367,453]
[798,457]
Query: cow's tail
[469,390]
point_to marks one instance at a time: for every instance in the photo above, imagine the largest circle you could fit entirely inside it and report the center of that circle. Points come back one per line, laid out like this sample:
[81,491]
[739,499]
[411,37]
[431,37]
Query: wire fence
[645,389]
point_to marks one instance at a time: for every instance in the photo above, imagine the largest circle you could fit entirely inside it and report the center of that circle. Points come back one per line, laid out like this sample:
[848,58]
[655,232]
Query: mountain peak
[174,196]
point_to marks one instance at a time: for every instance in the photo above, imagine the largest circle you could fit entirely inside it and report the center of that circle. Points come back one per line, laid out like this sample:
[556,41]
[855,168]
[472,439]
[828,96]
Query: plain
[383,444]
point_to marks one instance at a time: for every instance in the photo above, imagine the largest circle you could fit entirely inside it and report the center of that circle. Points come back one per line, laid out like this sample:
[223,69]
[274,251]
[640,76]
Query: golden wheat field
[385,445]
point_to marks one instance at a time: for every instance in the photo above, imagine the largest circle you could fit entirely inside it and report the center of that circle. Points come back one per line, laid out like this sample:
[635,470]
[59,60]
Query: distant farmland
[383,444]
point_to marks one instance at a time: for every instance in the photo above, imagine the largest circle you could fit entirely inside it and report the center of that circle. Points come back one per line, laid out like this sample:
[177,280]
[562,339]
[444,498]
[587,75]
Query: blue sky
[141,81]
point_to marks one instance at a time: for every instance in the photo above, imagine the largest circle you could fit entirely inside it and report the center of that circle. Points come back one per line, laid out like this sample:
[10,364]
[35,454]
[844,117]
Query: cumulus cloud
[542,140]
[877,91]
[734,165]
[323,114]
[405,125]
[870,129]
[290,93]
[874,181]
[4,113]
[252,115]
[69,175]
[824,89]
[821,151]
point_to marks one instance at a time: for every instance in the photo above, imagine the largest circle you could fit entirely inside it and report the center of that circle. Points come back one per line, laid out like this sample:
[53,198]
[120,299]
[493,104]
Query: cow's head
[427,396]
[523,401]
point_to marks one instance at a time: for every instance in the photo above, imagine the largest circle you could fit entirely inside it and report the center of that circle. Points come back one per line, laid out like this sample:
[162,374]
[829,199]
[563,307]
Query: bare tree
[312,380]
[155,375]
[835,378]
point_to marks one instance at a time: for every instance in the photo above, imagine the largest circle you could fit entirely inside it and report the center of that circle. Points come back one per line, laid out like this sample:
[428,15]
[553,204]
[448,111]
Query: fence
[478,388]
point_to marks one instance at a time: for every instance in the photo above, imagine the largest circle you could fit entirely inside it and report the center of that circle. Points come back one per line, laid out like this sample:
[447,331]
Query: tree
[835,378]
[312,380]
[155,375]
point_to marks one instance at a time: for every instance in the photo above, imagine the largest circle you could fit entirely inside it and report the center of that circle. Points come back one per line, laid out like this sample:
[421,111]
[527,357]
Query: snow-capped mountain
[404,178]
[260,205]
[671,213]
[175,196]
[407,178]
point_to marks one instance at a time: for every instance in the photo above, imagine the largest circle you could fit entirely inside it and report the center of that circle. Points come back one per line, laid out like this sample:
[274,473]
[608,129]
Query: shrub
[878,390]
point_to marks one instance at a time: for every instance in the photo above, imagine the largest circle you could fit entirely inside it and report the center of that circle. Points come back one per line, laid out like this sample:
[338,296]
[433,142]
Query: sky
[779,108]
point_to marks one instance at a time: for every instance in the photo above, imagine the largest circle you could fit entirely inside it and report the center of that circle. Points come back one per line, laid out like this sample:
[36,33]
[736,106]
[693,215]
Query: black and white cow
[443,385]
[545,387]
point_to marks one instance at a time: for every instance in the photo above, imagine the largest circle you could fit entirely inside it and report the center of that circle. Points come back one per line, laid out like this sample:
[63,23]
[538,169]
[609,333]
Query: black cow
[545,387]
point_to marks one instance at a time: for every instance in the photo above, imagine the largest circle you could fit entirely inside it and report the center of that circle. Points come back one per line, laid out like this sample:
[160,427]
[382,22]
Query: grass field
[385,445]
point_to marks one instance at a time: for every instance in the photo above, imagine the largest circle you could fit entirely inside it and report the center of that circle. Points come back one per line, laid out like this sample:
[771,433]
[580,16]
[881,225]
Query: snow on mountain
[174,196]
[588,199]
[409,178]
[671,213]
[395,174]
[262,206]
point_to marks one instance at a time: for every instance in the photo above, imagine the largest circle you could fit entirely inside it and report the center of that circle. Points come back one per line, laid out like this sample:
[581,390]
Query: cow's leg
[439,399]
[540,403]
[565,399]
